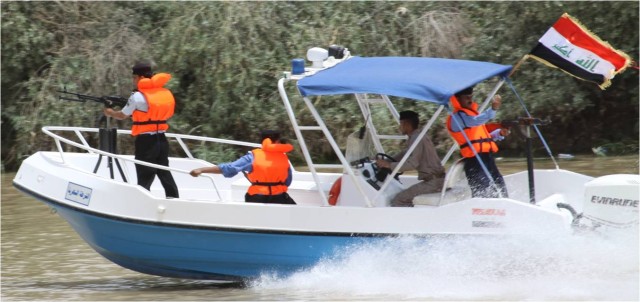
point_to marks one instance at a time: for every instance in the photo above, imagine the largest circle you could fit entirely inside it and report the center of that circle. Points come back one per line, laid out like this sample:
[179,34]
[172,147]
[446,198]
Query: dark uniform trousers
[479,182]
[154,148]
[283,198]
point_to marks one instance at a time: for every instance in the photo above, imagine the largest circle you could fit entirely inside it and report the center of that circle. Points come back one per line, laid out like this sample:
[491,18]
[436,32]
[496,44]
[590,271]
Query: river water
[43,259]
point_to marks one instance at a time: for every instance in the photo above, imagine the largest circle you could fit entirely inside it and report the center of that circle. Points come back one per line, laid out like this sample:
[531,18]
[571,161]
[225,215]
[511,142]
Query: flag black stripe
[544,53]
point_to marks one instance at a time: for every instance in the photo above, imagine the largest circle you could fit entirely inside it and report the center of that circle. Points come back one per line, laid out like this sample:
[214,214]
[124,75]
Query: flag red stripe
[578,37]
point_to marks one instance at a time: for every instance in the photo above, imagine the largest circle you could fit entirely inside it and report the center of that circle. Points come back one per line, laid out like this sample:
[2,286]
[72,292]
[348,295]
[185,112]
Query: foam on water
[584,267]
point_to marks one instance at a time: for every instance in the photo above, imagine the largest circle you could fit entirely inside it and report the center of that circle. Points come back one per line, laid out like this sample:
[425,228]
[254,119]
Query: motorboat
[211,233]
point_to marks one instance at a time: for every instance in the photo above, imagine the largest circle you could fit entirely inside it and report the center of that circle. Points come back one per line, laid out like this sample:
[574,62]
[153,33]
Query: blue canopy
[425,79]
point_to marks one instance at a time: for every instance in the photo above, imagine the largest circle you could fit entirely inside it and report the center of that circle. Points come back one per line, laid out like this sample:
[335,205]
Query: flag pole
[515,67]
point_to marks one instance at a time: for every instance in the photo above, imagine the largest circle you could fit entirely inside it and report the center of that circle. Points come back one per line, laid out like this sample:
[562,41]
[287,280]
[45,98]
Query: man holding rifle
[150,106]
[468,119]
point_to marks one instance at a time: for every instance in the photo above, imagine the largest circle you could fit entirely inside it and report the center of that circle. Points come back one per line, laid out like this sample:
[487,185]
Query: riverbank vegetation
[226,57]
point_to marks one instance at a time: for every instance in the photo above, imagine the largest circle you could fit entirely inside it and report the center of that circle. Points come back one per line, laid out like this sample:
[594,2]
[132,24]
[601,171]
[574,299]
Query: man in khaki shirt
[423,159]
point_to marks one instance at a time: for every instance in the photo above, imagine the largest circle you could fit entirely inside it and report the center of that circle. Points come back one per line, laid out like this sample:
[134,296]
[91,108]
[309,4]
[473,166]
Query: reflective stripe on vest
[479,136]
[161,105]
[270,169]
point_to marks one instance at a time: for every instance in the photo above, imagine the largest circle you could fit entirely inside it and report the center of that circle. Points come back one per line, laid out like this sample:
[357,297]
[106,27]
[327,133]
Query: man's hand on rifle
[114,114]
[111,101]
[107,103]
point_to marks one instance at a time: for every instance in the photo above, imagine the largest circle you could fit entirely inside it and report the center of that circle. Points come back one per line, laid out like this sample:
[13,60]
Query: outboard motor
[612,201]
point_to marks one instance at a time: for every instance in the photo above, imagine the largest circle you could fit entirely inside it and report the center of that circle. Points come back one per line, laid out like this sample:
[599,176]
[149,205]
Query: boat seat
[455,188]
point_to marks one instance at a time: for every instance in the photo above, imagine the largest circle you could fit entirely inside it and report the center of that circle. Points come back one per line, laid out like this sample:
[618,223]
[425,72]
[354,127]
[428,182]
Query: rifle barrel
[108,101]
[524,121]
[70,99]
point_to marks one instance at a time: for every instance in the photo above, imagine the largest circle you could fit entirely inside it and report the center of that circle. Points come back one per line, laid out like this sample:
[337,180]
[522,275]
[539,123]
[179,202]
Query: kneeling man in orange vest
[267,168]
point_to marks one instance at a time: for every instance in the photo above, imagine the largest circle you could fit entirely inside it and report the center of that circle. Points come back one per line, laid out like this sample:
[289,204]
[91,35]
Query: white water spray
[474,268]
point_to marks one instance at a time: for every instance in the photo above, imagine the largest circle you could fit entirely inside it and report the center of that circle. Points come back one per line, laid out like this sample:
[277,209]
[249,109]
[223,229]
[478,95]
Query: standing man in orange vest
[267,169]
[469,120]
[150,106]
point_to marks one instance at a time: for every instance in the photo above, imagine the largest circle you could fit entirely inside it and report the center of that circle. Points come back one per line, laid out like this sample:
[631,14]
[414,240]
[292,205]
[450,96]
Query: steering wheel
[385,157]
[382,173]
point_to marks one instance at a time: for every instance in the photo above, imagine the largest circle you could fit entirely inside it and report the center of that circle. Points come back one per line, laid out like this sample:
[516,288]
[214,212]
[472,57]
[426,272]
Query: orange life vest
[161,105]
[479,135]
[270,169]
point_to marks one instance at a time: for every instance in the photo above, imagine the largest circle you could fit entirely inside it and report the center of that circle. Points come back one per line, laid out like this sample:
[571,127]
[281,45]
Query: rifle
[524,121]
[521,121]
[107,136]
[108,101]
[515,123]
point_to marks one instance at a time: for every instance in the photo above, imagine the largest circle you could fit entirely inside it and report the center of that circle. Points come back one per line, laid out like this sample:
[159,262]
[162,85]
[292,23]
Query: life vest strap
[266,184]
[475,141]
[150,122]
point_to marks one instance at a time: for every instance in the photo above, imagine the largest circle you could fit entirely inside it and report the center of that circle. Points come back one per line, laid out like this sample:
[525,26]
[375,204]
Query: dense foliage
[225,58]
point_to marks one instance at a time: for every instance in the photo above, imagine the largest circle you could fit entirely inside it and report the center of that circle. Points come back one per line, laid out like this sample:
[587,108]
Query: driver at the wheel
[423,159]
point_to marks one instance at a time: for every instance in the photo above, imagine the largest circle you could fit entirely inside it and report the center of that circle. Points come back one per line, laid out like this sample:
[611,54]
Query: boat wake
[586,267]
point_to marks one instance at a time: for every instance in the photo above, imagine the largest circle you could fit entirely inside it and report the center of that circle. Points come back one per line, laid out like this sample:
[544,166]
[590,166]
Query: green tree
[226,57]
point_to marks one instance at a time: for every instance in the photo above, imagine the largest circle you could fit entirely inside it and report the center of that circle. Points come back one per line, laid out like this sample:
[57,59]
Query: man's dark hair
[143,68]
[274,135]
[410,116]
[466,91]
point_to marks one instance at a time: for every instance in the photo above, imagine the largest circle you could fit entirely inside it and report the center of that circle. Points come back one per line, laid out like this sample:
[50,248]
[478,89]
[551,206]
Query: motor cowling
[612,200]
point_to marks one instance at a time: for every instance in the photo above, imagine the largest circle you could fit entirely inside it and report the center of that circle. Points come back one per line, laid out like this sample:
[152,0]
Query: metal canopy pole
[366,114]
[305,150]
[337,151]
[303,145]
[364,102]
[535,127]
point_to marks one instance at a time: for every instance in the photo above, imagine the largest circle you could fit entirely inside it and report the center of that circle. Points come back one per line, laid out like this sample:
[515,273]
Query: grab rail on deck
[84,145]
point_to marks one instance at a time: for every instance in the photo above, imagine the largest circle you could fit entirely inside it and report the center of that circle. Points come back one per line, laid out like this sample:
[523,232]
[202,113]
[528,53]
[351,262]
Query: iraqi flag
[572,48]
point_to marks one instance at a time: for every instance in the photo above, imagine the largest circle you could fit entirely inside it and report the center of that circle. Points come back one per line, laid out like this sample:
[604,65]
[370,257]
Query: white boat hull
[202,236]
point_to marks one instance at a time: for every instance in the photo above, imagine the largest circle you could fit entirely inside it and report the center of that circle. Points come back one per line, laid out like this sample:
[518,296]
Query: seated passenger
[266,168]
[424,159]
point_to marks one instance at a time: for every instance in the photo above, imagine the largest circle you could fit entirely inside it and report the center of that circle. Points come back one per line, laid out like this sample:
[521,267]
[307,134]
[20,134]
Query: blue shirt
[468,121]
[245,164]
